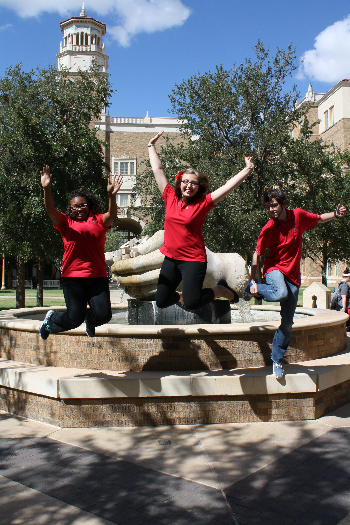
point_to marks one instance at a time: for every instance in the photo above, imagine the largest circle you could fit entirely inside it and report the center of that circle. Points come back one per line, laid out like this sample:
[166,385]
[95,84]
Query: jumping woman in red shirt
[186,207]
[84,277]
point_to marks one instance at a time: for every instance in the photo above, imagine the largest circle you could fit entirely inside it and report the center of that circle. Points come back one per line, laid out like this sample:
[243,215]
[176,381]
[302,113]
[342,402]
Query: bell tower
[82,42]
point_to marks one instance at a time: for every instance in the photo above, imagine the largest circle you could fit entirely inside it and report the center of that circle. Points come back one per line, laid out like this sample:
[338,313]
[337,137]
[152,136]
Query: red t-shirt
[183,237]
[284,241]
[84,243]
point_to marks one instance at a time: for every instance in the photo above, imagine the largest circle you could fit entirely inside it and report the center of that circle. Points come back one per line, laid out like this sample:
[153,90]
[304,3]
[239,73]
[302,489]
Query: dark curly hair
[274,193]
[94,204]
[203,187]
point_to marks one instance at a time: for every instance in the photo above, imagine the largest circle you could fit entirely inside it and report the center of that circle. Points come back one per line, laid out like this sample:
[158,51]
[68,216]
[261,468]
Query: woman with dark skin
[186,207]
[84,277]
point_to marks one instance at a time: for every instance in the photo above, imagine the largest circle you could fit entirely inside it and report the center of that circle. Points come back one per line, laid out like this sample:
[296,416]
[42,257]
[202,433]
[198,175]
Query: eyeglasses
[191,182]
[79,206]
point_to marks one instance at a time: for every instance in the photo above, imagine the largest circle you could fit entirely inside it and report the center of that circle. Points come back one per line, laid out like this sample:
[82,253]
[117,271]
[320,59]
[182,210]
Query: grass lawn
[51,298]
[55,298]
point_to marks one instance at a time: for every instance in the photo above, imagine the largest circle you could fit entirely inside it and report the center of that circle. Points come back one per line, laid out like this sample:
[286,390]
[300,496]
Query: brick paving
[309,486]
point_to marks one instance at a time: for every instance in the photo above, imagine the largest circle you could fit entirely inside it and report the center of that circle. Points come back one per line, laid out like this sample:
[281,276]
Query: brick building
[331,113]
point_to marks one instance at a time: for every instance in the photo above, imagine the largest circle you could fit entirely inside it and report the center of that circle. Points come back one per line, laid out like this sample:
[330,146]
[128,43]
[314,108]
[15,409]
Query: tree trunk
[324,266]
[40,285]
[257,300]
[9,277]
[20,284]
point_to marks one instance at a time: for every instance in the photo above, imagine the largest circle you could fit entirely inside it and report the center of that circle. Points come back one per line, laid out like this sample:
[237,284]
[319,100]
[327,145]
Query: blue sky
[153,44]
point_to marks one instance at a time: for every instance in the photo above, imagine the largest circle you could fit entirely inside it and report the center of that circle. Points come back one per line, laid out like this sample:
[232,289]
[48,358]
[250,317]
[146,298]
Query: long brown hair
[203,187]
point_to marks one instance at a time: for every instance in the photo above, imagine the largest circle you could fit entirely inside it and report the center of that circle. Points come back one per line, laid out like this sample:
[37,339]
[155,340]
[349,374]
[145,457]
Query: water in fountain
[244,312]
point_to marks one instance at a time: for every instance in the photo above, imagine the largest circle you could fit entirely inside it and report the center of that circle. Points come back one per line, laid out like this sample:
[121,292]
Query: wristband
[335,215]
[149,145]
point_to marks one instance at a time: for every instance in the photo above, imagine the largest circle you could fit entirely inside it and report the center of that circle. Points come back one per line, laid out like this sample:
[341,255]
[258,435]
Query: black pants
[192,274]
[78,293]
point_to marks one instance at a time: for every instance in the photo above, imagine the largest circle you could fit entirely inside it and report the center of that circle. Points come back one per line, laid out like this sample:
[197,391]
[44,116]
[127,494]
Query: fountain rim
[14,319]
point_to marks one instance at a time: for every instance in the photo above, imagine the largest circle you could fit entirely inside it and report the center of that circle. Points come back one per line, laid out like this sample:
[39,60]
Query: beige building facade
[331,114]
[127,139]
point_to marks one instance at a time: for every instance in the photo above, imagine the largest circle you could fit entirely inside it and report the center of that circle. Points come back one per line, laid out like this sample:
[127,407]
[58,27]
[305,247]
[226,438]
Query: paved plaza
[248,473]
[269,473]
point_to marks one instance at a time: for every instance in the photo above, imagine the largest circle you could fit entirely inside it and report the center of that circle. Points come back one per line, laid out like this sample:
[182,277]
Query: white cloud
[142,16]
[6,26]
[329,61]
[25,8]
[127,18]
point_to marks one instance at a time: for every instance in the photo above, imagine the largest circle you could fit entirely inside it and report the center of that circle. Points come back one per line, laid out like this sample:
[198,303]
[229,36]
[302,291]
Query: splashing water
[243,309]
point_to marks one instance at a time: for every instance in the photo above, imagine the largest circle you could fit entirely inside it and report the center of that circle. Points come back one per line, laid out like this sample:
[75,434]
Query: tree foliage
[232,113]
[113,240]
[246,110]
[319,181]
[45,118]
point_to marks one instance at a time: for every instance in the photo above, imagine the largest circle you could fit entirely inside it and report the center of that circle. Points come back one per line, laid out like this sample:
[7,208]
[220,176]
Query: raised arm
[46,181]
[231,184]
[344,302]
[339,212]
[156,165]
[113,187]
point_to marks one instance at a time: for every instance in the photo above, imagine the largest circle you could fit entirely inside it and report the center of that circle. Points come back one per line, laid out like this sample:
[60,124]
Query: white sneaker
[278,370]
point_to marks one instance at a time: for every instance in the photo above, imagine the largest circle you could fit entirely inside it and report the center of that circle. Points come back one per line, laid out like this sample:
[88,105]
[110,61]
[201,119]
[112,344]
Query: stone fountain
[136,269]
[131,375]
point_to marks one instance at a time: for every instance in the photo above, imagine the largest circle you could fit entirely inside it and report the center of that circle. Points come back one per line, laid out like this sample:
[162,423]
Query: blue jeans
[278,288]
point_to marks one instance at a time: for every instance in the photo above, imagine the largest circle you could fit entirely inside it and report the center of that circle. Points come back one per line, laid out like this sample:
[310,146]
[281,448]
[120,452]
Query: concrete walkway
[251,473]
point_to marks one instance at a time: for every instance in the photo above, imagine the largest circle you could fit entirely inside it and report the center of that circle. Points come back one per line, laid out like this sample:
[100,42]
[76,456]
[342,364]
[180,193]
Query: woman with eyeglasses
[84,276]
[186,208]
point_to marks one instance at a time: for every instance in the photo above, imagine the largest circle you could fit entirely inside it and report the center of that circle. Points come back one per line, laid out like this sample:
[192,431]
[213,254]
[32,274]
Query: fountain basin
[124,377]
[170,348]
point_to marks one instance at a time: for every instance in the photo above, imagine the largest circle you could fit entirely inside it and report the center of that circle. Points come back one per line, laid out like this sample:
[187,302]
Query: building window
[332,269]
[125,167]
[123,199]
[126,235]
[326,120]
[331,116]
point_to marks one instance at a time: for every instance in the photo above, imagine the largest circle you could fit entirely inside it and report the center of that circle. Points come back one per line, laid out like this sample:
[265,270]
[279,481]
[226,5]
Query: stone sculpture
[137,271]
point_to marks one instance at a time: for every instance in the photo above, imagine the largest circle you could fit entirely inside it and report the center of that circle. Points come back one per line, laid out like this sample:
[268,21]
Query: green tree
[113,240]
[244,110]
[45,118]
[319,181]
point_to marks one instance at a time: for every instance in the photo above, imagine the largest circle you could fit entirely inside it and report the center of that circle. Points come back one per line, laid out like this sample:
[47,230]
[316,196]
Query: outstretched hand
[154,139]
[46,177]
[249,163]
[341,210]
[113,186]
